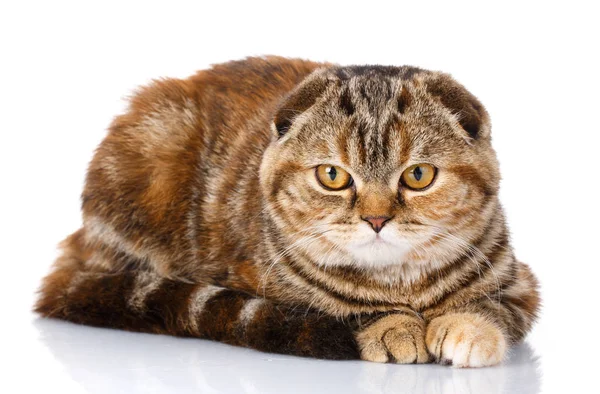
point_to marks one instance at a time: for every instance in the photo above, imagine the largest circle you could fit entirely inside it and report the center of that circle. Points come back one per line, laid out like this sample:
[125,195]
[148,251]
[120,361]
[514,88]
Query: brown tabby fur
[202,217]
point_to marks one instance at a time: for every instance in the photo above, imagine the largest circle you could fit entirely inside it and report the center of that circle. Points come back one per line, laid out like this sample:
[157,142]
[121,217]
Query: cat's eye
[418,176]
[333,177]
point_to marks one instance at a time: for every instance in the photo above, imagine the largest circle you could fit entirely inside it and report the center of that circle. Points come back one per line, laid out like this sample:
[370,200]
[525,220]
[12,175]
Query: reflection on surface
[110,361]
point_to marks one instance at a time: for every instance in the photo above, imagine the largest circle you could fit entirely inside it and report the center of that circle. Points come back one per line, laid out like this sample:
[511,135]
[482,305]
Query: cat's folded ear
[471,114]
[299,100]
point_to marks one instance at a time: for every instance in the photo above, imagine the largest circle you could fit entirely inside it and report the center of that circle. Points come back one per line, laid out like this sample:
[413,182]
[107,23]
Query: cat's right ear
[299,100]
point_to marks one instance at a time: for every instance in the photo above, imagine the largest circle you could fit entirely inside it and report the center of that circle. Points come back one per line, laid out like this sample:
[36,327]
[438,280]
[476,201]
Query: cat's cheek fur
[465,340]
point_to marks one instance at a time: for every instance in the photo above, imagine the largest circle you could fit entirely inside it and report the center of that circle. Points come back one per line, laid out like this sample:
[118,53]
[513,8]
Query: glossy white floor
[57,356]
[108,361]
[66,64]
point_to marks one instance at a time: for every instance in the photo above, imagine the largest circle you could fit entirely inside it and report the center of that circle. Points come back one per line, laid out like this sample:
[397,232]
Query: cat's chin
[379,252]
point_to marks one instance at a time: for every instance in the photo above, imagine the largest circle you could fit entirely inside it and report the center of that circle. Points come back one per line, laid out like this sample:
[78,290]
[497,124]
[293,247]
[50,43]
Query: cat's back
[230,93]
[166,166]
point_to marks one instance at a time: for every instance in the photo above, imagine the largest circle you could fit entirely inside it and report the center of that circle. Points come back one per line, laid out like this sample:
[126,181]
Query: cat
[300,208]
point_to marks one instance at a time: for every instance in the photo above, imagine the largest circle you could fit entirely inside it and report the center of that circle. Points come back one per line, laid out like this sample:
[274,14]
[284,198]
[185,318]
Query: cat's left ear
[471,114]
[299,100]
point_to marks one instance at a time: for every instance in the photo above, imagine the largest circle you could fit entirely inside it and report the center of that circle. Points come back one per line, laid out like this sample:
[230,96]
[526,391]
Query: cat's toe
[394,338]
[465,340]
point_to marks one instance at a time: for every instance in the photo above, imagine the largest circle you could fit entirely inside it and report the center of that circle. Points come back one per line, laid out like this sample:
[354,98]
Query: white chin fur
[379,253]
[376,250]
[384,255]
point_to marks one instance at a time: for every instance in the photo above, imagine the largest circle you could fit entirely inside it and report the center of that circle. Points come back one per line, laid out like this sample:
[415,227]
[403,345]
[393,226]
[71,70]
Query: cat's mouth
[404,237]
[376,240]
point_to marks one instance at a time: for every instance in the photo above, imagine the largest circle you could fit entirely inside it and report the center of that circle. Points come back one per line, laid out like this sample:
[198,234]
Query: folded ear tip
[471,114]
[299,100]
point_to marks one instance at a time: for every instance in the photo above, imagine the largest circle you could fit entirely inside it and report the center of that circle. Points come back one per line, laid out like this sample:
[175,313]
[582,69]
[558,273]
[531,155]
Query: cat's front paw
[395,338]
[465,340]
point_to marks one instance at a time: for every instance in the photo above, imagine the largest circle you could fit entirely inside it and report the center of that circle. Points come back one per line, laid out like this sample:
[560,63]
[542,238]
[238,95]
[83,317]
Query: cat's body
[203,217]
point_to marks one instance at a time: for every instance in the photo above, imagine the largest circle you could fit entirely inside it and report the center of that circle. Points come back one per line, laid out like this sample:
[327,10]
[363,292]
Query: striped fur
[203,217]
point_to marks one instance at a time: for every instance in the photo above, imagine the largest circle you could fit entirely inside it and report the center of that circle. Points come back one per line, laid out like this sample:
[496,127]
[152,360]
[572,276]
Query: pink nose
[377,222]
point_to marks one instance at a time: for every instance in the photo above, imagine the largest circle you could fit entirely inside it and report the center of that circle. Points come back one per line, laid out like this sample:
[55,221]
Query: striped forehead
[371,143]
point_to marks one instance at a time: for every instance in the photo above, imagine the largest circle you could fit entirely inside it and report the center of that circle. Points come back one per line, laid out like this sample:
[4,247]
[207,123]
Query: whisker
[302,241]
[474,254]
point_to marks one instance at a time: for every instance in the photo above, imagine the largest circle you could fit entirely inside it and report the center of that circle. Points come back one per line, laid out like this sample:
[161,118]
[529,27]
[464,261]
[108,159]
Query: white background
[66,67]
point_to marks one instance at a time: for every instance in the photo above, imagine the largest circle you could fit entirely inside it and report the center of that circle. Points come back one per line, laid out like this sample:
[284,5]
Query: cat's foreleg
[479,333]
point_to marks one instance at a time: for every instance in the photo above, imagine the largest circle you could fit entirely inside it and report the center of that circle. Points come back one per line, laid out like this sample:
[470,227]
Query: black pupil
[332,173]
[418,173]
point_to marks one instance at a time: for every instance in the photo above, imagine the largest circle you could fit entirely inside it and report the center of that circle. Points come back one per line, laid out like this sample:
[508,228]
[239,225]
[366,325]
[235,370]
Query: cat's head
[379,166]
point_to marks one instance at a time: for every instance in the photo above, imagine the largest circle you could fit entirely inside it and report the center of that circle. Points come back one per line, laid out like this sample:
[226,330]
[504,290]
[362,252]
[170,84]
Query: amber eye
[333,177]
[418,176]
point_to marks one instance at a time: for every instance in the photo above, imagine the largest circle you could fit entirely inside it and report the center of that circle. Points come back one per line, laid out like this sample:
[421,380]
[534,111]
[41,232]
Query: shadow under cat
[111,361]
